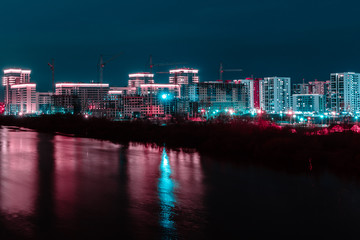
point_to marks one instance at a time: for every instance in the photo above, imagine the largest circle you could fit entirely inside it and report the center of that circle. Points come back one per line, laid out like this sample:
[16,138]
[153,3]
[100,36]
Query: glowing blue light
[321,116]
[166,187]
[164,96]
[301,119]
[356,117]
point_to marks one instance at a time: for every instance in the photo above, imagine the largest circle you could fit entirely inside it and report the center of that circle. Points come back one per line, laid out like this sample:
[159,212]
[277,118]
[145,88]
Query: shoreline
[238,140]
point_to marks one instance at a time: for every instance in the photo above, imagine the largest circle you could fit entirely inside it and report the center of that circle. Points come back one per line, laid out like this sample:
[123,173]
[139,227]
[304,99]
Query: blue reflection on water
[166,194]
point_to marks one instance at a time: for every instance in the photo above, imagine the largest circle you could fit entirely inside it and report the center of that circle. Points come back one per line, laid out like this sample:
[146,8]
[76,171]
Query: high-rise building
[22,99]
[345,92]
[81,97]
[14,76]
[219,96]
[184,76]
[136,79]
[252,91]
[275,94]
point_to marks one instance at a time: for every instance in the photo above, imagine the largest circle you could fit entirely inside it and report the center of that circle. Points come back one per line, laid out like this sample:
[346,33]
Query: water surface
[61,187]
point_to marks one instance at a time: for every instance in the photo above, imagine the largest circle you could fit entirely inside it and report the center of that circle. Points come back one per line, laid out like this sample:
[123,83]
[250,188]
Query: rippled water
[60,187]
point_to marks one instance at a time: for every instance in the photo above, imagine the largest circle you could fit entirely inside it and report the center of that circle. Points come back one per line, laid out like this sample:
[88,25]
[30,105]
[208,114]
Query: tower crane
[222,70]
[102,64]
[152,65]
[52,68]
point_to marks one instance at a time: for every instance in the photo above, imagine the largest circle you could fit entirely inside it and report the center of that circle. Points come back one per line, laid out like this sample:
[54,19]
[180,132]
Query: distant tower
[184,76]
[136,79]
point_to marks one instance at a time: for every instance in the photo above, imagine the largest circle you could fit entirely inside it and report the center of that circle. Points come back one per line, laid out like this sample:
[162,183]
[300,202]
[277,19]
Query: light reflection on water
[166,195]
[60,187]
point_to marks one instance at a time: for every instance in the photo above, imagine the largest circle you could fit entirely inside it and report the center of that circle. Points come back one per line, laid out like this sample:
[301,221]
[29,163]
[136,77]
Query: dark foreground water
[59,187]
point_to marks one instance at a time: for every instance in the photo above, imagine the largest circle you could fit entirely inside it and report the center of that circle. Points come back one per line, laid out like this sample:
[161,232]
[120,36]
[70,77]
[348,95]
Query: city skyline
[297,39]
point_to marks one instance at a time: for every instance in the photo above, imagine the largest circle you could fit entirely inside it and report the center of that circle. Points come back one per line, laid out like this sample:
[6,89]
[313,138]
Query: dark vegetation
[237,139]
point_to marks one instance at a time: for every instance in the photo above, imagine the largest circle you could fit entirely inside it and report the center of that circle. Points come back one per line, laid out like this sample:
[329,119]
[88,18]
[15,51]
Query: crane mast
[52,68]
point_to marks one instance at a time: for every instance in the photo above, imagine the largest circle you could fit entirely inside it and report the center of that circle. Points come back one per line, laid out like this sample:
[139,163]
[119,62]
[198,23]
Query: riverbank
[261,144]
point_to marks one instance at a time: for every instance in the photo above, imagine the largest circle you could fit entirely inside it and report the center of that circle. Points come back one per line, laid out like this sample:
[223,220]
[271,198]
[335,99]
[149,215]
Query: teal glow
[166,187]
[321,116]
[164,96]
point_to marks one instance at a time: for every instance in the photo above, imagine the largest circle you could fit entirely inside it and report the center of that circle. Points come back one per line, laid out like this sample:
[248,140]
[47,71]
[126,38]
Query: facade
[221,96]
[44,102]
[345,92]
[188,104]
[147,100]
[22,99]
[308,103]
[122,90]
[14,76]
[252,91]
[184,76]
[317,87]
[136,79]
[275,94]
[300,88]
[132,106]
[160,99]
[81,97]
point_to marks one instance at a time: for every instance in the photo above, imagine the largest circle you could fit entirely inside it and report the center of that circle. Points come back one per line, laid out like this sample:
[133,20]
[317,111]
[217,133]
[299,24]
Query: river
[63,187]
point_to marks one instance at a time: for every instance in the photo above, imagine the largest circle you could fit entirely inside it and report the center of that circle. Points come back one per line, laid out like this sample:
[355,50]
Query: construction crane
[102,64]
[52,68]
[152,65]
[222,70]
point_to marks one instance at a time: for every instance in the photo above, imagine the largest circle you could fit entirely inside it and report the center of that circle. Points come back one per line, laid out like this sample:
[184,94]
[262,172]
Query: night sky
[298,38]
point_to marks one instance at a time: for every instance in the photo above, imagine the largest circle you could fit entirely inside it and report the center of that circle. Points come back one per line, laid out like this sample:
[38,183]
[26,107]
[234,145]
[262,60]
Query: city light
[187,99]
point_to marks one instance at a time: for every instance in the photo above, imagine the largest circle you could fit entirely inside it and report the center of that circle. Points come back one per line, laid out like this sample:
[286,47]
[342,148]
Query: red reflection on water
[18,171]
[75,182]
[66,161]
[85,170]
[18,179]
[142,179]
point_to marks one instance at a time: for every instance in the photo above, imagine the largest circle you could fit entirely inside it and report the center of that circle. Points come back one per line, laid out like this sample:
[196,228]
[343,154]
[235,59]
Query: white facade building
[136,79]
[22,99]
[80,97]
[184,76]
[14,76]
[345,92]
[275,93]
